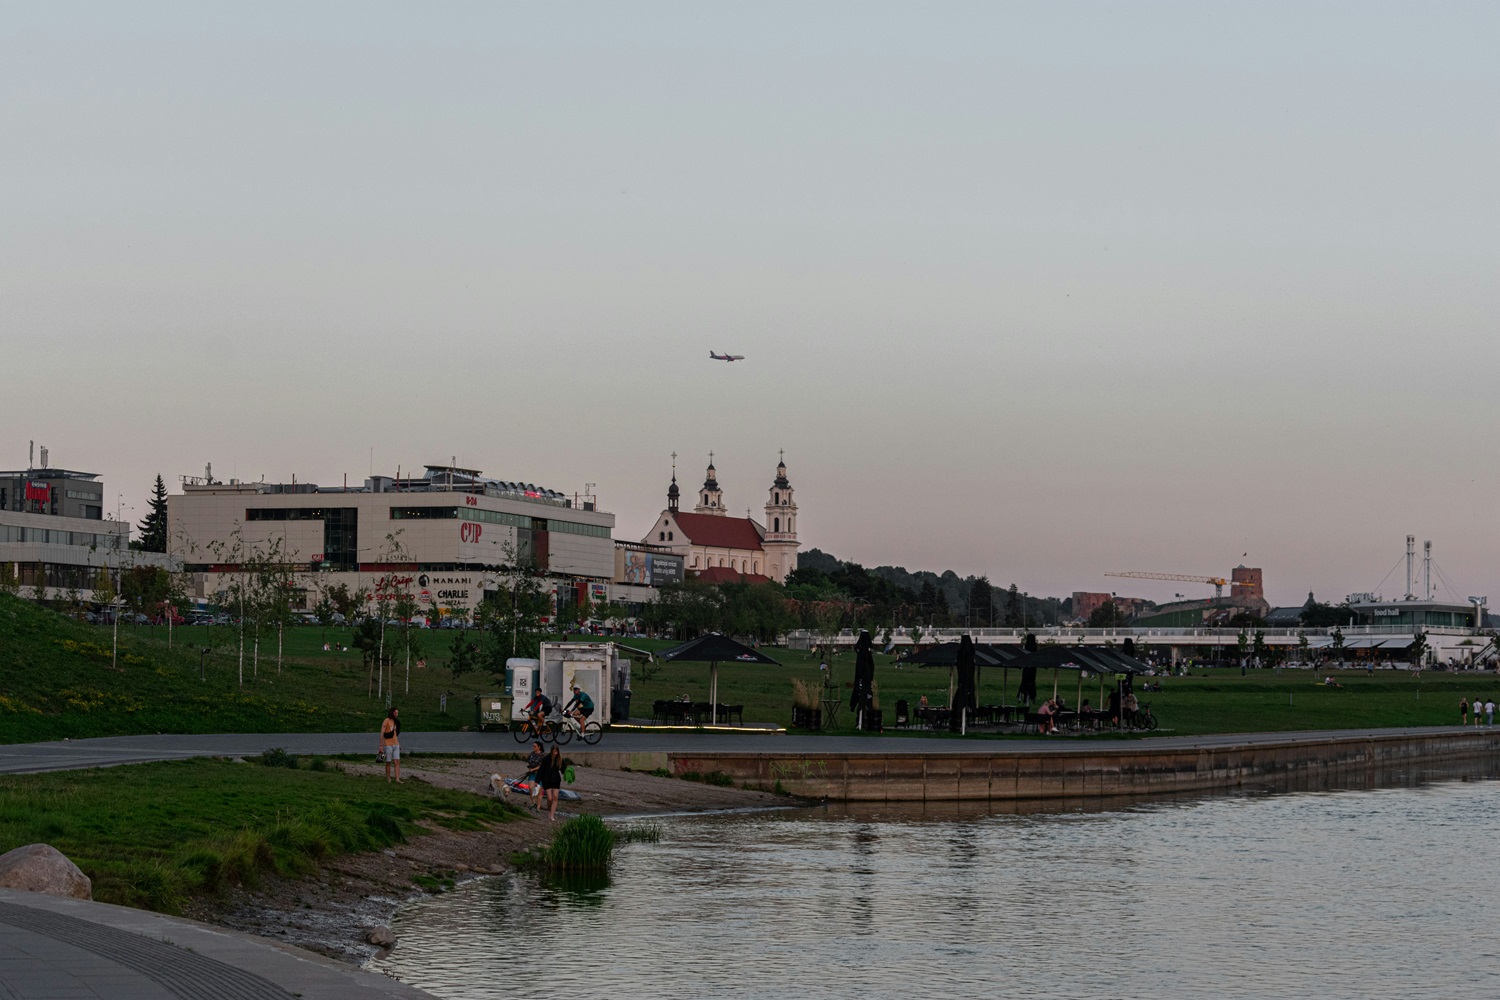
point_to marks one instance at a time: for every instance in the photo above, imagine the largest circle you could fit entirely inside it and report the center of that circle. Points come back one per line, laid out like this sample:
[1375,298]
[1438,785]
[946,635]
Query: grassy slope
[151,834]
[56,680]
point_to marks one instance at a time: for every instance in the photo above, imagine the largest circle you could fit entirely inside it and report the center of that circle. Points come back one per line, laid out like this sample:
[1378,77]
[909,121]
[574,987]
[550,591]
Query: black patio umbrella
[713,649]
[863,698]
[963,699]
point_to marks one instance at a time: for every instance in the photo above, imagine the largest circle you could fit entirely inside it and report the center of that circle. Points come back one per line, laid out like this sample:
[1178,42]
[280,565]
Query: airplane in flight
[726,357]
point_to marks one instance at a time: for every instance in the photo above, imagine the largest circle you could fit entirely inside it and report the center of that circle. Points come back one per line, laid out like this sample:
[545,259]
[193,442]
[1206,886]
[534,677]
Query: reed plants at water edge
[582,844]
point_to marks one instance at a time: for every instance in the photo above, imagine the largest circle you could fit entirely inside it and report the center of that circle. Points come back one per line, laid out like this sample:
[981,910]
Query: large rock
[381,937]
[43,868]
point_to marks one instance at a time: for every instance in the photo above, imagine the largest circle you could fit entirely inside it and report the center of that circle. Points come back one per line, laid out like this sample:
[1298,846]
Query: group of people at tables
[1048,712]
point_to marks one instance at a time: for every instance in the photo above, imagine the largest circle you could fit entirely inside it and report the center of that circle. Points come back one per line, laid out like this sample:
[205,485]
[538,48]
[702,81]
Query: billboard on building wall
[651,569]
[665,569]
[38,491]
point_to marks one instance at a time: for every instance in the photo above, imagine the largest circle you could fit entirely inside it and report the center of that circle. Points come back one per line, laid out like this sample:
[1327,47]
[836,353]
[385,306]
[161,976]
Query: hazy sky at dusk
[1034,290]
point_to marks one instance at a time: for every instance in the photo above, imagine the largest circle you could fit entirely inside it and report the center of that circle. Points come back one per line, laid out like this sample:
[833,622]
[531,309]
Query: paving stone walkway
[70,949]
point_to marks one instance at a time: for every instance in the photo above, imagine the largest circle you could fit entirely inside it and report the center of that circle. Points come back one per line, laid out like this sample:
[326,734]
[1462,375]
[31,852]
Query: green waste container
[492,711]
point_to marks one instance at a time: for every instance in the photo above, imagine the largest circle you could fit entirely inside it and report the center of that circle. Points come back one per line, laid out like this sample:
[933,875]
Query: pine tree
[154,528]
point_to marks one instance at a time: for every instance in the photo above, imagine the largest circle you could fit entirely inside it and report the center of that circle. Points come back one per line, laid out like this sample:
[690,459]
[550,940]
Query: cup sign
[469,532]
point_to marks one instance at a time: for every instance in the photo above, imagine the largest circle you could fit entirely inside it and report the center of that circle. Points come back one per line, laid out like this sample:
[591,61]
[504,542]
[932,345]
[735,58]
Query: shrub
[582,844]
[278,757]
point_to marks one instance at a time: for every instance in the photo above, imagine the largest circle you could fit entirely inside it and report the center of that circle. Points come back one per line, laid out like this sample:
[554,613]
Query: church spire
[711,498]
[673,493]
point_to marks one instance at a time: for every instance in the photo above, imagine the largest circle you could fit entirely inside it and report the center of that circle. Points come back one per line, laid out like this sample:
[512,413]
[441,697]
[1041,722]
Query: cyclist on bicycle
[537,710]
[580,706]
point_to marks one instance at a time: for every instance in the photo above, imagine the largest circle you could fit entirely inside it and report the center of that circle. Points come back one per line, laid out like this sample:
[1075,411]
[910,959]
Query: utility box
[492,711]
[598,668]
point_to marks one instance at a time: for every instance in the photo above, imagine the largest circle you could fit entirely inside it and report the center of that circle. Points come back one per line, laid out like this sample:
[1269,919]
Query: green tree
[1013,615]
[512,619]
[981,602]
[153,528]
[1418,649]
[1105,615]
[1338,641]
[10,583]
[1258,646]
[463,655]
[1243,642]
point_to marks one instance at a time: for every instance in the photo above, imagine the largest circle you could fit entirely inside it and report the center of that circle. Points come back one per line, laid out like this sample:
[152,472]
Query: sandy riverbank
[330,911]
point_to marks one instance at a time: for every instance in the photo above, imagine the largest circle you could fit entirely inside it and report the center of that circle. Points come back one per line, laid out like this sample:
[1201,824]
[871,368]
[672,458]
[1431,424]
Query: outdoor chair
[659,712]
[902,719]
[735,711]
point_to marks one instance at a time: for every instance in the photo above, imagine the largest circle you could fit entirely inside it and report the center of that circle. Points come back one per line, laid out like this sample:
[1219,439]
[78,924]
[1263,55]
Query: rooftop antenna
[1427,568]
[44,456]
[1411,554]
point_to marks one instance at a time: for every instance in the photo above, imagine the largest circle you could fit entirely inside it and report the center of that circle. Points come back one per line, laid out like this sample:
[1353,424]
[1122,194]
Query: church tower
[710,498]
[780,541]
[673,493]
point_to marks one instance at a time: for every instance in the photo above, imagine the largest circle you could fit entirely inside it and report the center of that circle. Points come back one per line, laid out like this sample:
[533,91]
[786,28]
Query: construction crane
[1217,581]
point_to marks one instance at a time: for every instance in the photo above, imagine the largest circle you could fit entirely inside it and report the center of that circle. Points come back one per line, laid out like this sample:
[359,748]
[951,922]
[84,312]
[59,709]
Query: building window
[695,562]
[661,536]
[757,565]
[777,522]
[670,537]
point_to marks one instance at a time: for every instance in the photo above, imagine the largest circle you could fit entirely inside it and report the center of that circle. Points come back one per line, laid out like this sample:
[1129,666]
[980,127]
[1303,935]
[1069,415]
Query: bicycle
[530,729]
[1144,719]
[589,732]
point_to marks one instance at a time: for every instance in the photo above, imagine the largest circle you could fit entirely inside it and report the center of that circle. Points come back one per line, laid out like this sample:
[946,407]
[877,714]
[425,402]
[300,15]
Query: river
[1381,893]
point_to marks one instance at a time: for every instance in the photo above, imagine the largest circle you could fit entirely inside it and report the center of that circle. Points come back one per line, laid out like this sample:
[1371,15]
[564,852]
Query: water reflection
[1338,894]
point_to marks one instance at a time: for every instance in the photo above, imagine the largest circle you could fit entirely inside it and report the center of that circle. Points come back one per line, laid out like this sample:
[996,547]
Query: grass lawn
[56,680]
[149,835]
[1210,701]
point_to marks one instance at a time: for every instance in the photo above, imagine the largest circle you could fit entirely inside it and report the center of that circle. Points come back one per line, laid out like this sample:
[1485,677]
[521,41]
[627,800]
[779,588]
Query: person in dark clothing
[533,765]
[1114,707]
[550,774]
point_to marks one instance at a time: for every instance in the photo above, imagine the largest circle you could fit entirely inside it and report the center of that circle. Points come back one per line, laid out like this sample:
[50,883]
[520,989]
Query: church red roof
[719,532]
[723,574]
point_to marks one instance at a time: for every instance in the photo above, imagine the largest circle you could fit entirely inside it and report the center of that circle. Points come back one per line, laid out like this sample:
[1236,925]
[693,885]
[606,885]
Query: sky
[1034,290]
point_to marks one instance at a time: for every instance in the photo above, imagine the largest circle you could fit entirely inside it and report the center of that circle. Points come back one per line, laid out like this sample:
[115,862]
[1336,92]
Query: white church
[717,548]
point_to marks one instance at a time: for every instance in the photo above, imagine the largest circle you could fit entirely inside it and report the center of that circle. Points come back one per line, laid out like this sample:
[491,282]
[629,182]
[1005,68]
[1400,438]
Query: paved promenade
[72,949]
[64,755]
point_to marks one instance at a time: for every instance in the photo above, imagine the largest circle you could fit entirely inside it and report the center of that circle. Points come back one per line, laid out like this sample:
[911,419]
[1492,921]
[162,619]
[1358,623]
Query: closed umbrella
[963,697]
[863,698]
[714,649]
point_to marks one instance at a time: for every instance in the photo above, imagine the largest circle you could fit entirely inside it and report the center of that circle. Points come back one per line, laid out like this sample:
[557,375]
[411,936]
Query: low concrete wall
[995,774]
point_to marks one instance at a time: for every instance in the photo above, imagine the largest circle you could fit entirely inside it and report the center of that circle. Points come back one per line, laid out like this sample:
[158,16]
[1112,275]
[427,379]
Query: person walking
[390,743]
[534,782]
[1463,711]
[1489,712]
[1477,705]
[550,772]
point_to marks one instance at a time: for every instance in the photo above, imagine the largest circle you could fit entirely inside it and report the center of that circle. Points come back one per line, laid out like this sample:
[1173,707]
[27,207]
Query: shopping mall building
[54,536]
[445,537]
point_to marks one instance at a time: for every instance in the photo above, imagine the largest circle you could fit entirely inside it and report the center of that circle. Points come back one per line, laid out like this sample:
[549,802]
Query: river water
[1359,894]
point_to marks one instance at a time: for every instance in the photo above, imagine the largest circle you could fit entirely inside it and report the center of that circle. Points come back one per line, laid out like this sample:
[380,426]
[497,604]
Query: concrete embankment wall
[994,774]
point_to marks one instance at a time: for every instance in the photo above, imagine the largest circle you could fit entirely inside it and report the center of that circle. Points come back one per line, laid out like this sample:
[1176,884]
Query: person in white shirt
[1489,713]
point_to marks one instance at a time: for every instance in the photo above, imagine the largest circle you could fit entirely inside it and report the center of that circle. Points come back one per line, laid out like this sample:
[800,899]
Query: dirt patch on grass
[330,911]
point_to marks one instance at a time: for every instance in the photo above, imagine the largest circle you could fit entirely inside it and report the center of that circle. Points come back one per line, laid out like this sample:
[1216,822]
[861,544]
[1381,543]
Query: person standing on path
[1463,711]
[1489,713]
[550,773]
[1477,705]
[390,743]
[533,765]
